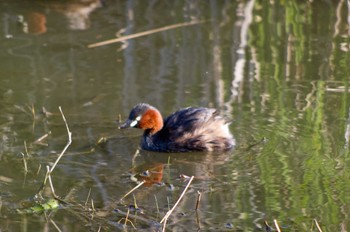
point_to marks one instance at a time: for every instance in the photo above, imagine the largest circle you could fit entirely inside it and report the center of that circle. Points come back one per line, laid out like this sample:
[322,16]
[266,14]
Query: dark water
[279,70]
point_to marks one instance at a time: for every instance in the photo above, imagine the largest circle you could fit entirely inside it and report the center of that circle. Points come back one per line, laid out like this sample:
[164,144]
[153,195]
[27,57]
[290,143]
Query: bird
[186,130]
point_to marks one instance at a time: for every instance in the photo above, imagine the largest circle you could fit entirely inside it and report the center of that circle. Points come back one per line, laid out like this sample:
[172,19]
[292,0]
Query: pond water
[280,70]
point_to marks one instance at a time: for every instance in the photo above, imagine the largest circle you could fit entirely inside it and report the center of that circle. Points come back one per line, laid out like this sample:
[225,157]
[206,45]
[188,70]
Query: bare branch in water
[165,218]
[49,171]
[68,143]
[136,187]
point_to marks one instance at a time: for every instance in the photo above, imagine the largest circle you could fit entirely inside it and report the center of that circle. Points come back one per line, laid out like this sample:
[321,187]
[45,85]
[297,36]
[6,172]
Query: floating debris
[183,177]
[50,204]
[171,187]
[229,225]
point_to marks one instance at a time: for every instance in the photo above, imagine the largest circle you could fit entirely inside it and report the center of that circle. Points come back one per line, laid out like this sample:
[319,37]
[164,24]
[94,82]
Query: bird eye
[134,123]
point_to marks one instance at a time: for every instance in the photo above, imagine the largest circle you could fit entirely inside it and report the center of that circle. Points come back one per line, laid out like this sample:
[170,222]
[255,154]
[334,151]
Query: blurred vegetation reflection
[278,69]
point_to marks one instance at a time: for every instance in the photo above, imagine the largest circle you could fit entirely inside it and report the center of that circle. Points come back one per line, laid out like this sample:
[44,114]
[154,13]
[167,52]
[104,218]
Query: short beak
[126,124]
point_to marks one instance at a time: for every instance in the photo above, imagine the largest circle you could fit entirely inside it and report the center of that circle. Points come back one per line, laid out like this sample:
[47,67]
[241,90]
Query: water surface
[279,70]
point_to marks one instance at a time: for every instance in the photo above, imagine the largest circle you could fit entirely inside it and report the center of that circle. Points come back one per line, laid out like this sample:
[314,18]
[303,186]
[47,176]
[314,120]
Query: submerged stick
[172,209]
[140,34]
[137,186]
[198,221]
[198,199]
[68,143]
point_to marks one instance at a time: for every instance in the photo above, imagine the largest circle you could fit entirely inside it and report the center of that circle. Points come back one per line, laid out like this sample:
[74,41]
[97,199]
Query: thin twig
[168,201]
[68,143]
[137,186]
[39,140]
[135,204]
[137,153]
[49,171]
[32,110]
[50,182]
[25,164]
[127,216]
[41,189]
[93,205]
[198,221]
[317,225]
[276,225]
[38,171]
[126,219]
[55,225]
[198,199]
[140,34]
[177,202]
[155,197]
[88,196]
[165,221]
[26,149]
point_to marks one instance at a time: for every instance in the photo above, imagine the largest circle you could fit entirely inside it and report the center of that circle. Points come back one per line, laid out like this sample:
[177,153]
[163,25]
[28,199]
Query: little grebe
[188,129]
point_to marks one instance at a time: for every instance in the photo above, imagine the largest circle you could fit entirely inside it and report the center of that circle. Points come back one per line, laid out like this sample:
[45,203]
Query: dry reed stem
[140,34]
[317,225]
[198,199]
[68,143]
[93,206]
[25,164]
[39,140]
[136,187]
[50,182]
[165,221]
[177,202]
[135,204]
[38,171]
[126,217]
[88,196]
[26,149]
[41,189]
[276,225]
[55,225]
[198,221]
[49,171]
[157,206]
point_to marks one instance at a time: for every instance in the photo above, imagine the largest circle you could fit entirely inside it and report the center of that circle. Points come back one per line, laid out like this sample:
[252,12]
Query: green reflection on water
[301,165]
[294,90]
